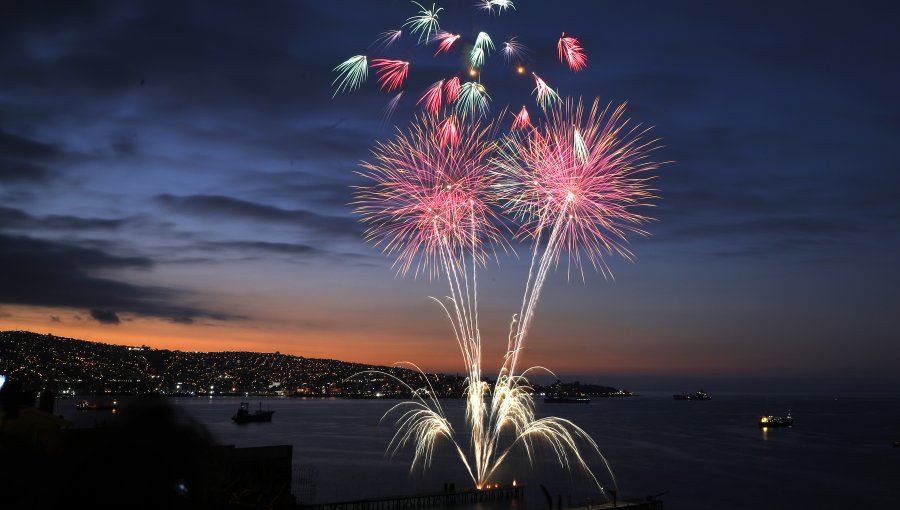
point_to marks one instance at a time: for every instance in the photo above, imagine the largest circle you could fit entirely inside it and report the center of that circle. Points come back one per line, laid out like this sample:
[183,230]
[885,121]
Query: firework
[448,133]
[445,40]
[386,39]
[391,73]
[545,95]
[351,74]
[484,43]
[501,5]
[571,52]
[391,106]
[432,97]
[522,120]
[512,50]
[451,89]
[578,186]
[580,148]
[574,182]
[473,97]
[428,195]
[425,22]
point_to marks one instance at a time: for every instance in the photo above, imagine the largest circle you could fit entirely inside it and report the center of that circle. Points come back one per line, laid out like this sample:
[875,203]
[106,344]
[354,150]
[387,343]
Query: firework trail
[571,52]
[391,73]
[351,74]
[445,40]
[578,185]
[391,107]
[425,22]
[386,39]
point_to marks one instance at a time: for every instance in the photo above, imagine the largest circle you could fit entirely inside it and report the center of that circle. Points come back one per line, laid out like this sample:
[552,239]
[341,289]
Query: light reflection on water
[705,454]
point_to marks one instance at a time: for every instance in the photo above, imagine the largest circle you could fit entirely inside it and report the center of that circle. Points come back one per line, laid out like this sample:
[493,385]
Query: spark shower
[453,192]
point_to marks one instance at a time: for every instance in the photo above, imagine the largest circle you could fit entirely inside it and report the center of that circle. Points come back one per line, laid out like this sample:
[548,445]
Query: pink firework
[429,203]
[391,73]
[522,120]
[581,179]
[448,133]
[445,40]
[432,97]
[571,52]
[451,89]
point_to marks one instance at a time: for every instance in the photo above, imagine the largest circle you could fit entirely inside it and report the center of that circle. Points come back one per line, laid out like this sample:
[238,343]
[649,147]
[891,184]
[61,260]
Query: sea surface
[698,455]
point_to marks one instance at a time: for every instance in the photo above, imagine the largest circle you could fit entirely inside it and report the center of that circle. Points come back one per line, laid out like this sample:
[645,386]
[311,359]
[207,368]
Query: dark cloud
[262,246]
[217,205]
[53,273]
[54,318]
[105,317]
[20,220]
[25,160]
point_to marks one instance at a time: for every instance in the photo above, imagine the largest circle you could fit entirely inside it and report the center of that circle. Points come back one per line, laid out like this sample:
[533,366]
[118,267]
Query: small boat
[565,399]
[84,405]
[244,415]
[700,395]
[896,444]
[776,421]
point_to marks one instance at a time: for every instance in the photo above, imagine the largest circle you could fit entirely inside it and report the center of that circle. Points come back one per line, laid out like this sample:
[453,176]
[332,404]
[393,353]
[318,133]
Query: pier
[432,500]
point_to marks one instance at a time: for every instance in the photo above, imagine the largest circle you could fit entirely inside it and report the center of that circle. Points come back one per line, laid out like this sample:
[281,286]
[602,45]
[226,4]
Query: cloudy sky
[177,174]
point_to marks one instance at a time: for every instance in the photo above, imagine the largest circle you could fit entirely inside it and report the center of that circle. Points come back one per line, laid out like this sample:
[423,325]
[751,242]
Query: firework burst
[432,97]
[473,98]
[445,40]
[386,39]
[513,51]
[522,120]
[578,186]
[351,74]
[425,22]
[430,192]
[391,73]
[571,52]
[546,96]
[451,89]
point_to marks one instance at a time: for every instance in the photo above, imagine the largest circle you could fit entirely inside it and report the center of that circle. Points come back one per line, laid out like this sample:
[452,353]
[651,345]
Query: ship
[776,421]
[244,415]
[566,399]
[84,405]
[700,395]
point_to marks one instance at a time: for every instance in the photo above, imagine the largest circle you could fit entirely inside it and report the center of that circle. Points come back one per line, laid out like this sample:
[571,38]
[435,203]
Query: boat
[566,399]
[896,444]
[244,415]
[84,405]
[776,421]
[700,395]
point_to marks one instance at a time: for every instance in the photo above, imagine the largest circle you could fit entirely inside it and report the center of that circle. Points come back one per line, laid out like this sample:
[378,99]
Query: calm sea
[701,455]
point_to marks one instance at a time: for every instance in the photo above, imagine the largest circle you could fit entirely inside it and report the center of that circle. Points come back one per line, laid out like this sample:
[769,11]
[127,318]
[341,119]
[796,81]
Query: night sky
[177,174]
